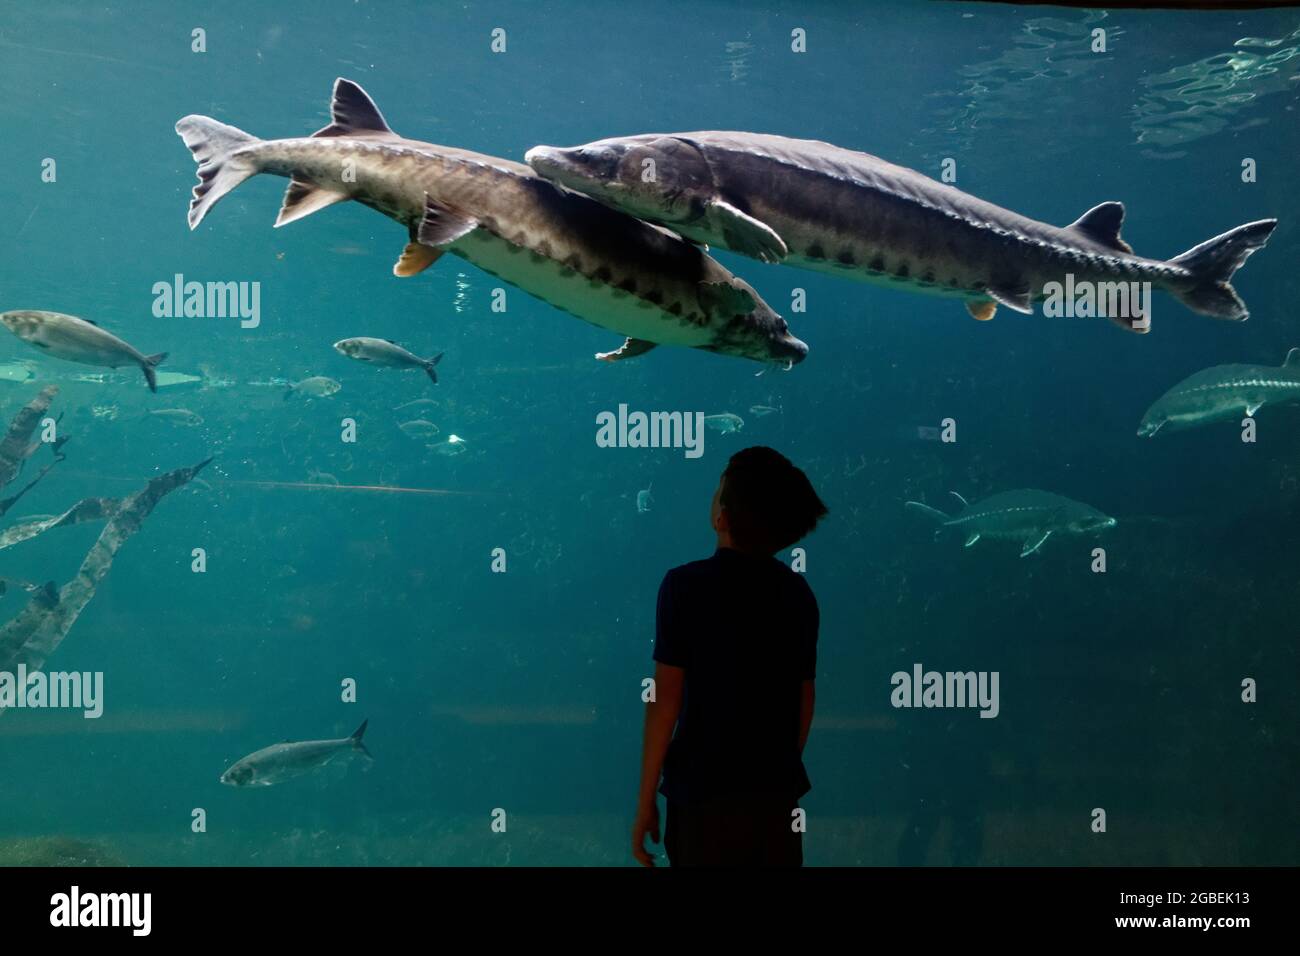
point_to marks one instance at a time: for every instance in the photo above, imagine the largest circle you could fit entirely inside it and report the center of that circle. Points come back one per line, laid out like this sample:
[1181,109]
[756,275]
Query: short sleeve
[670,641]
[809,624]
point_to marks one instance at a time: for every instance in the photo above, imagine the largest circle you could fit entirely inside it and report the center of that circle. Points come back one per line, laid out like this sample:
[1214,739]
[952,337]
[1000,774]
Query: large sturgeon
[820,207]
[1223,393]
[577,254]
[1026,515]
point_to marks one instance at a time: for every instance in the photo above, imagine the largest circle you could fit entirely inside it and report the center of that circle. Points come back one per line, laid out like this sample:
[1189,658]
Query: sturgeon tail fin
[926,510]
[151,362]
[356,740]
[429,367]
[220,151]
[1212,264]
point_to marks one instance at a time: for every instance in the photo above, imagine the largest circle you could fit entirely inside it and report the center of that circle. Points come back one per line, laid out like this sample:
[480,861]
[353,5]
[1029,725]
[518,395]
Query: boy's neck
[724,541]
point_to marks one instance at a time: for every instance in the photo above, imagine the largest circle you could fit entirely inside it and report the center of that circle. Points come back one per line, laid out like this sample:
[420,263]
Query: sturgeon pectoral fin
[981,310]
[441,226]
[1032,546]
[971,540]
[964,502]
[302,199]
[1101,224]
[415,258]
[745,234]
[725,298]
[629,349]
[1018,299]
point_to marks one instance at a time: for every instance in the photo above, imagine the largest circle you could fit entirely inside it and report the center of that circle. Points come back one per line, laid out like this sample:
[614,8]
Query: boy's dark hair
[770,503]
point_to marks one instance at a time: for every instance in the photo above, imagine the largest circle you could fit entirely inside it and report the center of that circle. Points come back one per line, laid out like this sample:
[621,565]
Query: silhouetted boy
[735,652]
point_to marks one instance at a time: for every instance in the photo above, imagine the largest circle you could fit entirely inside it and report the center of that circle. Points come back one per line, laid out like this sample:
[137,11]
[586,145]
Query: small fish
[1223,393]
[1026,515]
[281,762]
[16,372]
[419,429]
[386,353]
[79,340]
[318,386]
[725,423]
[644,499]
[418,403]
[919,433]
[178,416]
[454,445]
[108,412]
[759,411]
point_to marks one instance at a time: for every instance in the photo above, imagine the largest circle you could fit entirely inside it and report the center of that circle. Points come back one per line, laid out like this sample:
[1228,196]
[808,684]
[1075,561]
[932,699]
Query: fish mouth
[790,349]
[580,169]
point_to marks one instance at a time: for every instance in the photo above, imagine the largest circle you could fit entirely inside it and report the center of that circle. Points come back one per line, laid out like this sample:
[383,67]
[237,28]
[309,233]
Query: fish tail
[1211,265]
[429,367]
[356,740]
[934,513]
[224,163]
[150,363]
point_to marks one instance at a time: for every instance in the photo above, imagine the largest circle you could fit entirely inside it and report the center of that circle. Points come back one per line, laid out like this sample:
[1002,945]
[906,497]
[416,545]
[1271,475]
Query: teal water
[521,691]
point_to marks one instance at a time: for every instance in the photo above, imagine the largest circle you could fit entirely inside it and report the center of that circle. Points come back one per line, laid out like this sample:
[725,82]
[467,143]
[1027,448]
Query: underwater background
[522,690]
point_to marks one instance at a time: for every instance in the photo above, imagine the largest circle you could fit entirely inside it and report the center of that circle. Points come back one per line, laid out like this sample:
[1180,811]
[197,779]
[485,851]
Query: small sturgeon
[577,254]
[1223,393]
[1026,515]
[387,353]
[281,762]
[833,210]
[79,340]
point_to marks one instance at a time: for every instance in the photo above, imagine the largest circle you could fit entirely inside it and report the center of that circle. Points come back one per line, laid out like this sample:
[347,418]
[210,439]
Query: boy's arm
[807,700]
[660,720]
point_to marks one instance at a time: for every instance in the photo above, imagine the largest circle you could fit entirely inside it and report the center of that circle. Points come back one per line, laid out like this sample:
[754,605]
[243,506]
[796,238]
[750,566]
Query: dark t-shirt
[744,628]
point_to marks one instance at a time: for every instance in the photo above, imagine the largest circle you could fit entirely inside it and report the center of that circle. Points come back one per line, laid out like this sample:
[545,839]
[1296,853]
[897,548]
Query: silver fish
[644,499]
[419,402]
[16,372]
[178,416]
[1026,515]
[580,256]
[79,340]
[419,429]
[386,353]
[726,422]
[318,386]
[761,411]
[281,762]
[1223,393]
[833,210]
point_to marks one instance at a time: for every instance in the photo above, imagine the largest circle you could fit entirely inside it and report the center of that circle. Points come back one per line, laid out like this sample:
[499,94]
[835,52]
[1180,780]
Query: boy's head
[764,504]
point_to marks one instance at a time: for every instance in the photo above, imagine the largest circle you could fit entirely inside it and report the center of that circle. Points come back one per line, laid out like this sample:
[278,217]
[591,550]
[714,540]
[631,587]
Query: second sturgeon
[608,268]
[829,209]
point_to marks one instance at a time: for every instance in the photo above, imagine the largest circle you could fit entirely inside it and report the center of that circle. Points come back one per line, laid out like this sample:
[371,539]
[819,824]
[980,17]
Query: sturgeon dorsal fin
[302,199]
[1101,224]
[354,113]
[1292,359]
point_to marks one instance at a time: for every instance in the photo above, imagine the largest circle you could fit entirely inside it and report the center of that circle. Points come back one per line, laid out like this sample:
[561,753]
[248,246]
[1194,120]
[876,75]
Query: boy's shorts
[733,832]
